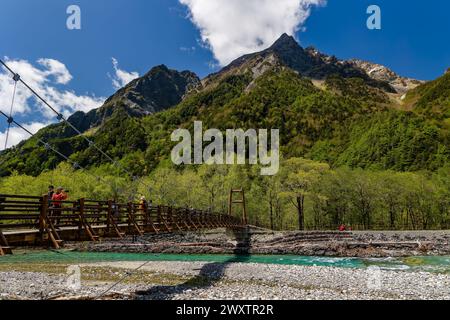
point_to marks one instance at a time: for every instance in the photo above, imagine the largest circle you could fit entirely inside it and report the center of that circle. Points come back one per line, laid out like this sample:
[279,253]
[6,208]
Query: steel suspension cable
[11,111]
[48,146]
[60,117]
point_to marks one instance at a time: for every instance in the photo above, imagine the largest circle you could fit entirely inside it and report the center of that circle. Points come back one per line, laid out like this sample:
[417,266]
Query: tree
[212,181]
[363,197]
[267,189]
[297,177]
[391,193]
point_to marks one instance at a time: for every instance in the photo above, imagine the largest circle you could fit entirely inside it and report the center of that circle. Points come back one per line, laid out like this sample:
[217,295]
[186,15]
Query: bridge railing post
[81,208]
[189,218]
[202,219]
[129,215]
[81,213]
[109,217]
[209,219]
[185,214]
[99,213]
[158,215]
[198,218]
[76,211]
[206,217]
[84,223]
[43,215]
[169,217]
[150,212]
[147,219]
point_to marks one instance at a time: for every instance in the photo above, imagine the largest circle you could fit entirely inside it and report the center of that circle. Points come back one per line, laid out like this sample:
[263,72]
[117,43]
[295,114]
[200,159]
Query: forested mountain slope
[326,109]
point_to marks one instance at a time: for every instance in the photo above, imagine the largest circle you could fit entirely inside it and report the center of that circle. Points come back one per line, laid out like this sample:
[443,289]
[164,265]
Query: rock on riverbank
[259,241]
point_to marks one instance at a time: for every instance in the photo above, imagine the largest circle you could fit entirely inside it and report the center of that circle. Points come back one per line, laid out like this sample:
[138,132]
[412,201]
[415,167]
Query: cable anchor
[76,166]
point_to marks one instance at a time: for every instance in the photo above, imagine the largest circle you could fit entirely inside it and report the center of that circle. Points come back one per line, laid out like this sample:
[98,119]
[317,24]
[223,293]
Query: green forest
[305,195]
[346,123]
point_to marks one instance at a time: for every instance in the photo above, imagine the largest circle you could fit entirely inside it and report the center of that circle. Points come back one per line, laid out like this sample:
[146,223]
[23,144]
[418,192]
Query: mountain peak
[157,69]
[313,64]
[159,89]
[285,41]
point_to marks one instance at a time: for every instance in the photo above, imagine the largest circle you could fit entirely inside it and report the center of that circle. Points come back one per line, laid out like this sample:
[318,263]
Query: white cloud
[57,70]
[16,135]
[121,77]
[46,79]
[232,28]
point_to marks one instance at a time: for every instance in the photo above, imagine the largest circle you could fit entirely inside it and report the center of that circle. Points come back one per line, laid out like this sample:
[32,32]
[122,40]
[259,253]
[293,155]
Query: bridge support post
[46,225]
[188,214]
[108,218]
[240,201]
[174,218]
[199,215]
[132,223]
[207,219]
[87,227]
[129,215]
[111,222]
[161,219]
[43,213]
[182,214]
[169,217]
[148,218]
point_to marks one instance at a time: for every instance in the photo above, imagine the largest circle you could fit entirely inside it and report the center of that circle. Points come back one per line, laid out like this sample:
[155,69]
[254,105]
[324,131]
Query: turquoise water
[427,264]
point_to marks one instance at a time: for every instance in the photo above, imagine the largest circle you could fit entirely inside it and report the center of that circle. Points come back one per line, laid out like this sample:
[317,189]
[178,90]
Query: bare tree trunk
[392,217]
[271,216]
[278,214]
[301,213]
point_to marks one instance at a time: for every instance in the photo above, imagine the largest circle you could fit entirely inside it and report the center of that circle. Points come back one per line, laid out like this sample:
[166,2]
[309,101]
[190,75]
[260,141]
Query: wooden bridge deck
[36,221]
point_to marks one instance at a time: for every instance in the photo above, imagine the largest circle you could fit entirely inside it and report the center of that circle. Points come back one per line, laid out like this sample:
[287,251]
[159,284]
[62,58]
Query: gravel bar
[241,281]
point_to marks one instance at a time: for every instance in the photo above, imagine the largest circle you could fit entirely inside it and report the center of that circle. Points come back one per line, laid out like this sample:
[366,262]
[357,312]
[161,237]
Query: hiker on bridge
[115,210]
[57,198]
[143,204]
[50,193]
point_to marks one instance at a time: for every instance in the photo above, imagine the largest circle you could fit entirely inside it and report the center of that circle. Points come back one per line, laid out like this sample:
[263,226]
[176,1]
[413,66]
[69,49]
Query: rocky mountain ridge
[330,110]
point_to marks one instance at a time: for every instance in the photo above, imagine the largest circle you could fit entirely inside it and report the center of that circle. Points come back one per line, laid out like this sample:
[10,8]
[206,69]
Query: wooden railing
[37,220]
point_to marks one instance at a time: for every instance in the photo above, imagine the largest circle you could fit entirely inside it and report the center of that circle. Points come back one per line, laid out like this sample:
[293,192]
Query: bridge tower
[237,200]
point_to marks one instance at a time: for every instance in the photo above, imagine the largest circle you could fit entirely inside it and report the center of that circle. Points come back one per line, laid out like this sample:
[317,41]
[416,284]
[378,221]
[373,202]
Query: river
[434,264]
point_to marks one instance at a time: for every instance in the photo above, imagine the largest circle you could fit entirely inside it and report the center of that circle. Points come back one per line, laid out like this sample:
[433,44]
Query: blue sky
[140,34]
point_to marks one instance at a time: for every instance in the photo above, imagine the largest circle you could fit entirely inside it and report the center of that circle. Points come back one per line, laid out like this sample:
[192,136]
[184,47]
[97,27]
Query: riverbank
[259,241]
[123,268]
[217,281]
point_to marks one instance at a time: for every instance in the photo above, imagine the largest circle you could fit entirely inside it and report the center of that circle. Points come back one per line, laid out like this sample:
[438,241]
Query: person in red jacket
[57,198]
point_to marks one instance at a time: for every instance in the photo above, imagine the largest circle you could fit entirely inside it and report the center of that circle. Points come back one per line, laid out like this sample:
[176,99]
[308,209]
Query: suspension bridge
[27,220]
[36,221]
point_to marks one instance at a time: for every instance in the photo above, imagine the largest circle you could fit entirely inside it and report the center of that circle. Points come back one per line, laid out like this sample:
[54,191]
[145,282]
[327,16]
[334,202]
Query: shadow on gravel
[209,274]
